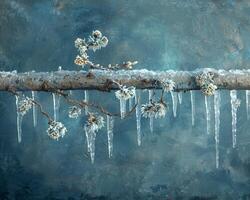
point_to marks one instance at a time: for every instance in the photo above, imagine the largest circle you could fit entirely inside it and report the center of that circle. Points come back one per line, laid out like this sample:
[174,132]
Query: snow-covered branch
[103,79]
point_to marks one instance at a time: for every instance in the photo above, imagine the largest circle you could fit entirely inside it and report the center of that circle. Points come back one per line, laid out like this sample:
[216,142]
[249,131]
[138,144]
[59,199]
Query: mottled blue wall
[178,160]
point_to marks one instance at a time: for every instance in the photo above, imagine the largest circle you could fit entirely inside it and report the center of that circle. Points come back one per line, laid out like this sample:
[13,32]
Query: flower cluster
[94,122]
[205,81]
[153,109]
[24,105]
[97,41]
[168,85]
[125,93]
[56,130]
[74,112]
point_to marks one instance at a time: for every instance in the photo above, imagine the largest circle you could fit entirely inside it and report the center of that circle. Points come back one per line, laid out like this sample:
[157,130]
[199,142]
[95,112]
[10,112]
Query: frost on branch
[154,109]
[205,81]
[168,85]
[56,130]
[74,112]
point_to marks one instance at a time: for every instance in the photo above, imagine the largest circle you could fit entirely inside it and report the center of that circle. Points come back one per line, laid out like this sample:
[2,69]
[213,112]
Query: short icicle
[192,98]
[217,101]
[130,103]
[248,104]
[174,102]
[138,116]
[235,103]
[151,119]
[56,105]
[34,108]
[122,108]
[19,120]
[110,134]
[208,113]
[180,97]
[86,99]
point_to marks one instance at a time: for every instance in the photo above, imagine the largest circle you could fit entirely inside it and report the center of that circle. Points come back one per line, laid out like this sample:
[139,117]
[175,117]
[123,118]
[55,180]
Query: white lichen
[56,130]
[125,93]
[206,83]
[24,105]
[74,112]
[154,109]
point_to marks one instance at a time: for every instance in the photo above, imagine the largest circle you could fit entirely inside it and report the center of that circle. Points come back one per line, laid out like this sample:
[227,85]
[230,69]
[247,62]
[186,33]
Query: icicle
[86,99]
[130,103]
[19,121]
[180,97]
[34,97]
[217,101]
[110,127]
[235,103]
[151,119]
[122,108]
[91,136]
[208,113]
[138,116]
[192,97]
[174,102]
[56,105]
[248,103]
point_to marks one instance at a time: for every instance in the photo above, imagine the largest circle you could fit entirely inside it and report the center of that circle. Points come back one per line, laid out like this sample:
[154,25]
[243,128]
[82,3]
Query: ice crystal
[205,81]
[24,105]
[56,130]
[125,93]
[153,109]
[74,112]
[168,85]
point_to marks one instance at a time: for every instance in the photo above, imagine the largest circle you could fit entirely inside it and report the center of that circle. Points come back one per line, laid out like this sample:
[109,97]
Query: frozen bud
[104,41]
[153,109]
[168,85]
[125,93]
[74,112]
[79,43]
[56,130]
[81,60]
[24,105]
[97,34]
[94,122]
[129,64]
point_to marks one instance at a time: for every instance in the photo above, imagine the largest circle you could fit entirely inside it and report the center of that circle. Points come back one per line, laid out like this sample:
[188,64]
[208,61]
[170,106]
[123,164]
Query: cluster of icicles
[133,96]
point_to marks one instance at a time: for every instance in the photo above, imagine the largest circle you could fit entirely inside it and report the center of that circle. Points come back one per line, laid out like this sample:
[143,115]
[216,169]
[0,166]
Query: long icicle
[86,99]
[19,121]
[56,106]
[208,113]
[217,100]
[192,98]
[151,119]
[34,108]
[138,116]
[110,134]
[248,103]
[234,106]
[91,136]
[174,102]
[130,103]
[122,108]
[180,97]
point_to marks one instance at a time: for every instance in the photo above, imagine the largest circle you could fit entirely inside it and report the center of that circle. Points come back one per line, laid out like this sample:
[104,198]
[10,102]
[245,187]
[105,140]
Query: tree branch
[103,80]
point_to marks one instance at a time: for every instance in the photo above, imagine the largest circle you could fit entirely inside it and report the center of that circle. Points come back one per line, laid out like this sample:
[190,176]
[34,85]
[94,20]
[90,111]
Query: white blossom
[153,109]
[79,43]
[56,130]
[125,93]
[74,112]
[24,105]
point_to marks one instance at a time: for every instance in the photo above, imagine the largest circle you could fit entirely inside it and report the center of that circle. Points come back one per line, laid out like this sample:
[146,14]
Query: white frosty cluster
[205,81]
[97,41]
[56,130]
[94,122]
[74,112]
[24,105]
[153,109]
[125,93]
[168,85]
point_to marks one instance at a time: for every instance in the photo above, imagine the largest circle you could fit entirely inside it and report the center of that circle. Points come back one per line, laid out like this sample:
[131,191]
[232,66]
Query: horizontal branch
[103,79]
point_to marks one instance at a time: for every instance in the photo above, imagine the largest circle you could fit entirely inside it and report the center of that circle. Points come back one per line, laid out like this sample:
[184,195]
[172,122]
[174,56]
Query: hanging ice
[130,101]
[122,108]
[34,97]
[56,105]
[180,97]
[90,136]
[19,120]
[235,103]
[174,102]
[151,119]
[248,103]
[110,134]
[217,100]
[208,113]
[138,116]
[192,97]
[86,99]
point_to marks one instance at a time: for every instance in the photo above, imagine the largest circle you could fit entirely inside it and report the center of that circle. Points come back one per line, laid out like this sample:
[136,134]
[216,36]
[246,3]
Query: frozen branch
[106,80]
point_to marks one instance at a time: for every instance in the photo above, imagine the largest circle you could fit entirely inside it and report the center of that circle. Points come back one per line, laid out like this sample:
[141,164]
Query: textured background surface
[178,161]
